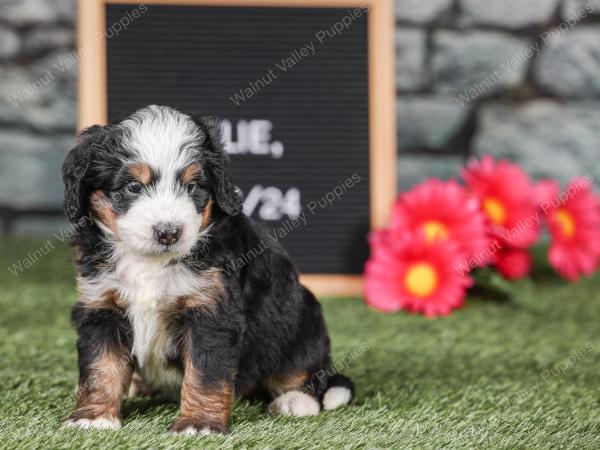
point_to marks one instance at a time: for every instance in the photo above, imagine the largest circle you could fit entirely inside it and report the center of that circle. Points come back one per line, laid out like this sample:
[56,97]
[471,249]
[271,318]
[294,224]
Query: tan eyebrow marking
[190,172]
[141,172]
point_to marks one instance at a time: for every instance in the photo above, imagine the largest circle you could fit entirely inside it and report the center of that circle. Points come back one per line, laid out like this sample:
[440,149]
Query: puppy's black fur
[265,335]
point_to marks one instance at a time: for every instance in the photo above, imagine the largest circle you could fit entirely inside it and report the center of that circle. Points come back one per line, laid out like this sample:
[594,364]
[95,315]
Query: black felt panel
[196,58]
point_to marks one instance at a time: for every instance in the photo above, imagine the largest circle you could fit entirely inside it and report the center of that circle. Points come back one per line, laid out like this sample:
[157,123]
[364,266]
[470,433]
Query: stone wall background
[518,79]
[38,111]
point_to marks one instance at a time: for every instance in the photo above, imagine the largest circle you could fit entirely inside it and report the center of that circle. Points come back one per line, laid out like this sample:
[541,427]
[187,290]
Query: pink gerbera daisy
[512,263]
[413,274]
[574,222]
[442,210]
[507,198]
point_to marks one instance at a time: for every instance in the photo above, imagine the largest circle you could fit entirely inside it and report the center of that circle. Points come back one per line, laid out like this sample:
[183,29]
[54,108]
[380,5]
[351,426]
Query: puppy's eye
[191,188]
[134,187]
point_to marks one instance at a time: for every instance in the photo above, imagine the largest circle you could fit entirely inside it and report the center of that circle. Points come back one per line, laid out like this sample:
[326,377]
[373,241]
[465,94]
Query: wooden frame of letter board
[92,91]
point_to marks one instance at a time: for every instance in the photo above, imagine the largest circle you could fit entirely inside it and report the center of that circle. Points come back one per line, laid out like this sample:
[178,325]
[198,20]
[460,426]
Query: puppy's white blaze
[295,403]
[335,397]
[100,423]
[136,225]
[161,137]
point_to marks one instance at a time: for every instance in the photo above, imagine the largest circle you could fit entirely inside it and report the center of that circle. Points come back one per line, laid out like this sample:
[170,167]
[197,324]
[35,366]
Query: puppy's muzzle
[167,233]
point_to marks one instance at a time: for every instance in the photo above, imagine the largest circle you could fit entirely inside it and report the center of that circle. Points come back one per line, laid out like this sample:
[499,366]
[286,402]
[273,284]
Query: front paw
[99,423]
[189,426]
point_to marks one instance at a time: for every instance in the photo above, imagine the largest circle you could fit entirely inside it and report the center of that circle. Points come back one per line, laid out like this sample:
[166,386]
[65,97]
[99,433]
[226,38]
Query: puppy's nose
[167,233]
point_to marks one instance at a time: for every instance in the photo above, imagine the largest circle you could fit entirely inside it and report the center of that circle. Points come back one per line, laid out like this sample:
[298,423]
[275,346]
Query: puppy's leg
[105,367]
[209,354]
[293,396]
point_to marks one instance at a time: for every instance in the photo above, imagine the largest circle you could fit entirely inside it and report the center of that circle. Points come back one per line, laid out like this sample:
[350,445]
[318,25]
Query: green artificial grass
[496,374]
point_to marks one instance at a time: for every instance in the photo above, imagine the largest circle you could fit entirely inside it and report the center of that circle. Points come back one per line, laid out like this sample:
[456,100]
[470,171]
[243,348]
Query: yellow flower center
[421,279]
[566,222]
[494,210]
[435,230]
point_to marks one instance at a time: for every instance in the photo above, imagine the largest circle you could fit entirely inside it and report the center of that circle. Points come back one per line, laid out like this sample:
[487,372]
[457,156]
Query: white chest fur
[149,287]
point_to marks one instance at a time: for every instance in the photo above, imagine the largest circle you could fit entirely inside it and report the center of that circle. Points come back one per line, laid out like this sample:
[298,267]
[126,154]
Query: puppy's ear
[227,197]
[75,171]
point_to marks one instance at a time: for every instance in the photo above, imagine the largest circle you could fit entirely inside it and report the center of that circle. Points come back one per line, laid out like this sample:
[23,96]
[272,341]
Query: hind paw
[335,397]
[295,403]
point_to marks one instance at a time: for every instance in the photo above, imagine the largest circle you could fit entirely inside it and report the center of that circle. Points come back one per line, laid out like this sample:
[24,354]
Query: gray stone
[429,123]
[410,59]
[569,65]
[30,169]
[9,42]
[58,115]
[57,228]
[66,10]
[41,40]
[550,139]
[9,115]
[421,11]
[61,67]
[508,13]
[43,103]
[28,12]
[20,86]
[413,169]
[478,64]
[580,9]
[15,89]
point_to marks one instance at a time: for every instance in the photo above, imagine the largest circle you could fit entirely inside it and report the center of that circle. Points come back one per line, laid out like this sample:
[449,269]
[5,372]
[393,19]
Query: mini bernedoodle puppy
[158,223]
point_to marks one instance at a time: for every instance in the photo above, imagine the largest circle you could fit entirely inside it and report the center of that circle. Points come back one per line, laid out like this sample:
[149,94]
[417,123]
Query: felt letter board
[305,91]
